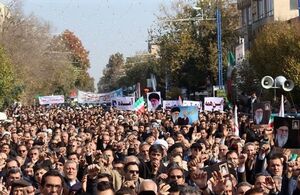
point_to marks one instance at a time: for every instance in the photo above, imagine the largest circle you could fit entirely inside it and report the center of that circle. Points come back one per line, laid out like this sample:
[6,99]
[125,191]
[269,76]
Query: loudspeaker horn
[267,82]
[288,85]
[279,81]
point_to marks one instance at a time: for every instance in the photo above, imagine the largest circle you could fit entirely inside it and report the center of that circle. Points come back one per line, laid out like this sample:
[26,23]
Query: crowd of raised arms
[92,150]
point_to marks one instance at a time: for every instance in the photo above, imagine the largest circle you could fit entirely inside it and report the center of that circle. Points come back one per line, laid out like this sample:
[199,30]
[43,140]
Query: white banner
[123,103]
[97,98]
[88,97]
[193,103]
[168,104]
[105,98]
[55,99]
[213,104]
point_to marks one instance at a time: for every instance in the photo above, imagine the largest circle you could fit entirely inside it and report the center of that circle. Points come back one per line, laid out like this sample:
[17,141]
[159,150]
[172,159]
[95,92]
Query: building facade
[256,13]
[4,14]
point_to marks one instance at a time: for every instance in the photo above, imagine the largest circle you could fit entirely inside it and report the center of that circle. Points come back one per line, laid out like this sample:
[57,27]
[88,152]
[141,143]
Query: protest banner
[169,104]
[198,104]
[97,98]
[55,99]
[88,97]
[123,103]
[213,104]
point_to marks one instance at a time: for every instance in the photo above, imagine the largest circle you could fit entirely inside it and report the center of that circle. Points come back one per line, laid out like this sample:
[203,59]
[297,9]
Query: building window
[244,17]
[249,15]
[269,8]
[293,4]
[261,9]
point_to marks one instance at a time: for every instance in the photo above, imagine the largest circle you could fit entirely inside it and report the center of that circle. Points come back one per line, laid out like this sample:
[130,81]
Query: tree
[70,44]
[113,71]
[188,48]
[7,81]
[276,51]
[37,68]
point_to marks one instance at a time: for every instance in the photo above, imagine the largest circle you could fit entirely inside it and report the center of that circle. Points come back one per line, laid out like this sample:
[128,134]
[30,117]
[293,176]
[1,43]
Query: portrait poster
[261,113]
[286,132]
[224,168]
[154,101]
[184,115]
[213,104]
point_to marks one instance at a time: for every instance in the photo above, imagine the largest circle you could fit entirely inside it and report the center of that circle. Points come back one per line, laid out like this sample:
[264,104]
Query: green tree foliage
[188,45]
[276,51]
[39,69]
[7,81]
[138,68]
[43,64]
[113,71]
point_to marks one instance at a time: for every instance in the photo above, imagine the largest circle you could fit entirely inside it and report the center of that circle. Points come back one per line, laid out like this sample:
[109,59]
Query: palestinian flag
[139,105]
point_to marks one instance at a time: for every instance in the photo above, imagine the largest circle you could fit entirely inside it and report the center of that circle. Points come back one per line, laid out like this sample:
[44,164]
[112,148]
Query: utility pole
[219,42]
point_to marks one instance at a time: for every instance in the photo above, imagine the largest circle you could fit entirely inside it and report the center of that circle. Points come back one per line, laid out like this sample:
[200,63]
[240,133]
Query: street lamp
[219,41]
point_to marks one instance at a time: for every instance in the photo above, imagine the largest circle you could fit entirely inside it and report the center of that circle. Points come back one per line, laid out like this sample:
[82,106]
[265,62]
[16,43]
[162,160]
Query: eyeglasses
[176,176]
[133,171]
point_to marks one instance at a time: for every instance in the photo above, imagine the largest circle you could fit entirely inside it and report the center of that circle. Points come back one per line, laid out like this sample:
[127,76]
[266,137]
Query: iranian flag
[271,121]
[139,105]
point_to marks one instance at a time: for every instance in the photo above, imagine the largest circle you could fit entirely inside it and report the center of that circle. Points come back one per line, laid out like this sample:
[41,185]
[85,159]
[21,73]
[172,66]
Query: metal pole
[299,7]
[219,40]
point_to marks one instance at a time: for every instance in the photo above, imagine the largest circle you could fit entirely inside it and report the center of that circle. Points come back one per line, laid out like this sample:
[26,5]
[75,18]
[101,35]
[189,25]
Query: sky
[104,26]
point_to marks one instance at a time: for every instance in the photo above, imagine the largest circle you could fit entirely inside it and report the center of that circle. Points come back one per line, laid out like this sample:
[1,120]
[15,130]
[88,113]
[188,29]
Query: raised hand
[129,184]
[199,177]
[93,170]
[84,183]
[163,189]
[270,184]
[3,189]
[218,182]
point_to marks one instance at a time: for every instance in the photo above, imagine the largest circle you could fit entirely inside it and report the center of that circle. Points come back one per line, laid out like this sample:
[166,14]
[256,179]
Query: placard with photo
[184,115]
[287,132]
[154,101]
[261,113]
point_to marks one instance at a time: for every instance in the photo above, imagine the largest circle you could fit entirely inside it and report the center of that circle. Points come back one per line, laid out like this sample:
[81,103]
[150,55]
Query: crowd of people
[92,150]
